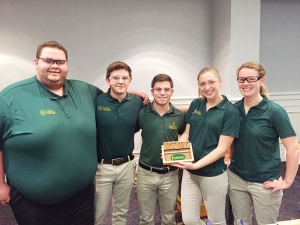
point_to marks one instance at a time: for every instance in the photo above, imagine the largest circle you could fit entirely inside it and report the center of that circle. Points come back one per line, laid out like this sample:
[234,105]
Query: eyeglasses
[117,78]
[159,89]
[209,83]
[59,62]
[250,79]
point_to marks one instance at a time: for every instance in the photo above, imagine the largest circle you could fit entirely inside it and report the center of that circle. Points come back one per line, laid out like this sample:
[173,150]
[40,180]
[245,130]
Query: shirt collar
[111,98]
[171,110]
[221,105]
[49,93]
[262,105]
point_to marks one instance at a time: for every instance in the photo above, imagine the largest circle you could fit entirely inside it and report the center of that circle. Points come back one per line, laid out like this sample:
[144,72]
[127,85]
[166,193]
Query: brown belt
[117,161]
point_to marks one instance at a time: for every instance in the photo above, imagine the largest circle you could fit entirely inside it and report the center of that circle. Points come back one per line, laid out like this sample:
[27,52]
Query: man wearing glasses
[49,143]
[48,147]
[116,115]
[160,122]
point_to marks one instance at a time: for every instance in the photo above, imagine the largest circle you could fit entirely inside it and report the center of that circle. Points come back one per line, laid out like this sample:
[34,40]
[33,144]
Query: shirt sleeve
[94,92]
[283,124]
[141,106]
[190,111]
[231,124]
[2,125]
[182,128]
[4,112]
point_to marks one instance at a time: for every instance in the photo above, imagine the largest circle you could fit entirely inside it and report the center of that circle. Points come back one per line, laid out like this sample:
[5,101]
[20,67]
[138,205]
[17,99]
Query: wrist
[288,183]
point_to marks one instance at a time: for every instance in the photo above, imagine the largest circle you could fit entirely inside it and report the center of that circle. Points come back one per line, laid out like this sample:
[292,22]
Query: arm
[230,153]
[223,145]
[183,109]
[141,94]
[4,188]
[292,164]
[186,133]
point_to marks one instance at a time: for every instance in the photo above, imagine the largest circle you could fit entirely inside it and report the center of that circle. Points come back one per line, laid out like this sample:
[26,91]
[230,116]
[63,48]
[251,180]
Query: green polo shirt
[157,129]
[205,131]
[116,124]
[2,122]
[4,115]
[256,155]
[50,150]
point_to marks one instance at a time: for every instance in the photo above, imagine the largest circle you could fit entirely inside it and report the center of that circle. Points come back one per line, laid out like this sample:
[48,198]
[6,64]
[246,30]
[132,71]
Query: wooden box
[177,151]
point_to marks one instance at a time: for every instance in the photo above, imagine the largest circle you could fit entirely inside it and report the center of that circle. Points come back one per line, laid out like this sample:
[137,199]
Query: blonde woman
[212,125]
[254,174]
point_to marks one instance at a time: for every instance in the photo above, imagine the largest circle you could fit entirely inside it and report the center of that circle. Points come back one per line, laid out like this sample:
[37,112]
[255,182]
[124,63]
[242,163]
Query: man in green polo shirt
[4,188]
[116,118]
[160,122]
[48,144]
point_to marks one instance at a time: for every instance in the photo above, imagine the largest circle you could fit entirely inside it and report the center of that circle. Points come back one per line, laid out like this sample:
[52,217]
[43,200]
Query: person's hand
[277,185]
[228,163]
[141,94]
[185,165]
[145,97]
[4,193]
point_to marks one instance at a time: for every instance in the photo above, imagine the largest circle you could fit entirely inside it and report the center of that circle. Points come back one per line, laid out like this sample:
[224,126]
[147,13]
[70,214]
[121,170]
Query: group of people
[66,147]
[251,129]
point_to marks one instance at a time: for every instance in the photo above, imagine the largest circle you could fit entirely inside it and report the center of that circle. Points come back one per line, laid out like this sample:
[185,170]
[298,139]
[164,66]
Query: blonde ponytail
[263,90]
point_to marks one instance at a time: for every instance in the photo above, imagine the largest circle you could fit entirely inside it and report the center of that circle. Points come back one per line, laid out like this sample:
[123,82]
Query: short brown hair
[261,73]
[161,78]
[50,44]
[117,66]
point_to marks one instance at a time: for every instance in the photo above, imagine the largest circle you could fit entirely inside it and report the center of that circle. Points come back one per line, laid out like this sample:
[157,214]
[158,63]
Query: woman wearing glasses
[212,124]
[254,175]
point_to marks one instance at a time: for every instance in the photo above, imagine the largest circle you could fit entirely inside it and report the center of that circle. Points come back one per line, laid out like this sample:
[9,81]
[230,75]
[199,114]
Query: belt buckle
[117,161]
[168,169]
[163,170]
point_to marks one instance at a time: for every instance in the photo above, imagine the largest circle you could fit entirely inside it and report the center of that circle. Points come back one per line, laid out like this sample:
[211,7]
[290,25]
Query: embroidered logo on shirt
[173,126]
[103,108]
[47,112]
[197,112]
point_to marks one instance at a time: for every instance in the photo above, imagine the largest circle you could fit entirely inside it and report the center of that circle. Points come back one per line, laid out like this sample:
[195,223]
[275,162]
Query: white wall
[245,36]
[169,36]
[221,42]
[280,44]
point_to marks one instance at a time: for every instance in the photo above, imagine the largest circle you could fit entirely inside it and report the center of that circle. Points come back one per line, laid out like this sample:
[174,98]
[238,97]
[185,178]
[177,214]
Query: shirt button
[67,112]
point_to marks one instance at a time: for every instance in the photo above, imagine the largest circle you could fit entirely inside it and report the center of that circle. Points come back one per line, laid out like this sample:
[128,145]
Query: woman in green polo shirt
[254,174]
[212,124]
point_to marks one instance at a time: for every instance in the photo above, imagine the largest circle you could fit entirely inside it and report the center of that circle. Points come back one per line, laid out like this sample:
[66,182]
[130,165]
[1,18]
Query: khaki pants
[151,185]
[115,180]
[212,190]
[246,195]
